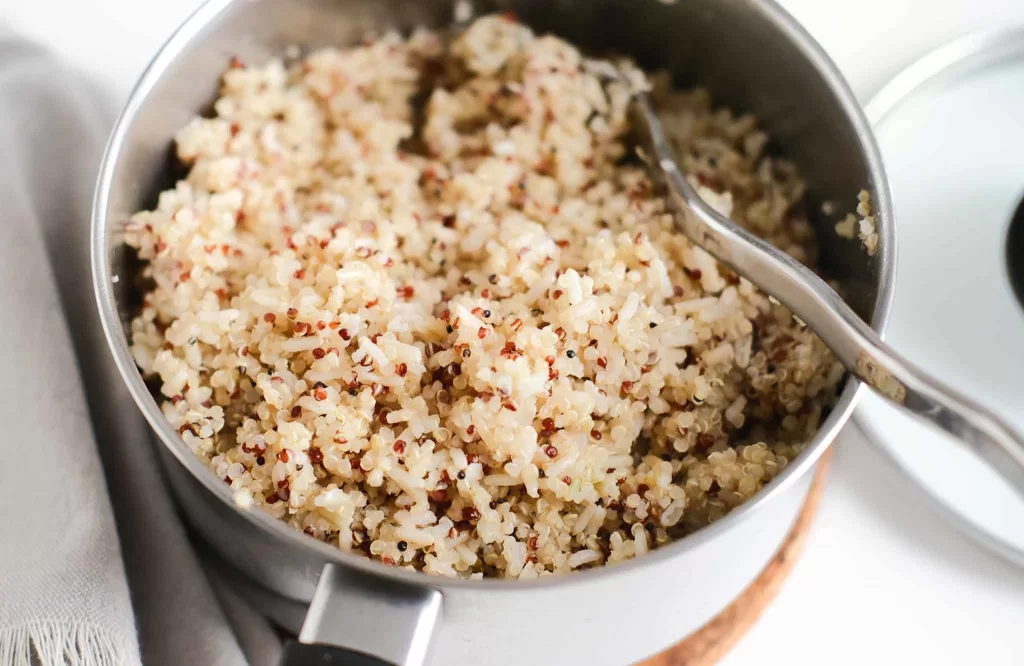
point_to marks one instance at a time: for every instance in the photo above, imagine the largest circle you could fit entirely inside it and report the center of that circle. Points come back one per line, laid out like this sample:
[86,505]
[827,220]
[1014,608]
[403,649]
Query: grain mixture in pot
[416,299]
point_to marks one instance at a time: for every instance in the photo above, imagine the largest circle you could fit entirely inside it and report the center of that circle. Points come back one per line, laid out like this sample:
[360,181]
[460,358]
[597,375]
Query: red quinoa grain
[318,229]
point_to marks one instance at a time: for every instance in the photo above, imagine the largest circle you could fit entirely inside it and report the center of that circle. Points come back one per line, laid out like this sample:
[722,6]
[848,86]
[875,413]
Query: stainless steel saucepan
[752,56]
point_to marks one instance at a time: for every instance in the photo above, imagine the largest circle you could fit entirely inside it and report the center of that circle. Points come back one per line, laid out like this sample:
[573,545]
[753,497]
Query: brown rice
[471,343]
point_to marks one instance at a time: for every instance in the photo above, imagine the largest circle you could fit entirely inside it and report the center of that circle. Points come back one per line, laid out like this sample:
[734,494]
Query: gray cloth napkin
[97,567]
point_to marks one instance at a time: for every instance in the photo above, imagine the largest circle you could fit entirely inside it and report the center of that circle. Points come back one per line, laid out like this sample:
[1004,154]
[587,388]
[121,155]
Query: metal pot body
[752,57]
[608,620]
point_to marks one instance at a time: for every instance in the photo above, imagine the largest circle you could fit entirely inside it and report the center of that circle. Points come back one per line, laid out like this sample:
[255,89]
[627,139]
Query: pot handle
[360,619]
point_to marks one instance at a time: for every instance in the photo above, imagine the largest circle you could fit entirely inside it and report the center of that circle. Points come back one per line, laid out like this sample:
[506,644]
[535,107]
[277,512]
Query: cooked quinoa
[418,300]
[863,228]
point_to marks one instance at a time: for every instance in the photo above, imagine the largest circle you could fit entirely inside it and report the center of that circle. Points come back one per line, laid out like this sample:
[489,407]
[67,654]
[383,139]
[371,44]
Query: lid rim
[962,56]
[971,51]
[1004,549]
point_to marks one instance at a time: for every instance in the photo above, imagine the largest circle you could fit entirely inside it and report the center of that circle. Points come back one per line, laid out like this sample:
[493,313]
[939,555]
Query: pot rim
[193,27]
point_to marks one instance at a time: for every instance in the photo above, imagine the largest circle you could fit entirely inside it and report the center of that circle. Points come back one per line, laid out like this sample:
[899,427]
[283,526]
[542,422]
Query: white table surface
[882,581]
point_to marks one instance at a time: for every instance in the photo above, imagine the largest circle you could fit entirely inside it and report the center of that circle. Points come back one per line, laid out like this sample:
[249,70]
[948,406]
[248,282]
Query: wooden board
[713,641]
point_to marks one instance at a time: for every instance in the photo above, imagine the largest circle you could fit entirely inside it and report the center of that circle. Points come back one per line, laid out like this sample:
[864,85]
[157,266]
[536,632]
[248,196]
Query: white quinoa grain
[476,346]
[863,227]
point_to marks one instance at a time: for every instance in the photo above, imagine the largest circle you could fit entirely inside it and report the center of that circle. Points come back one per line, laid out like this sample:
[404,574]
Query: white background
[882,581]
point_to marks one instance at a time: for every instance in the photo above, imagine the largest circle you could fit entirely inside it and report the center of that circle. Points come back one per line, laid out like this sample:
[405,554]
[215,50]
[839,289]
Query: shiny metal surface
[753,57]
[969,499]
[858,347]
[673,599]
[388,619]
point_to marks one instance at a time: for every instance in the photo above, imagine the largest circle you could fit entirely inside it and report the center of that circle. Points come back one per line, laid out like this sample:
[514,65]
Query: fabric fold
[64,590]
[65,597]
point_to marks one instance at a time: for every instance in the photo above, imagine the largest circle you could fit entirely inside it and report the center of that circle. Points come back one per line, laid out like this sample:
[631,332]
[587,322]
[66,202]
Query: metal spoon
[808,296]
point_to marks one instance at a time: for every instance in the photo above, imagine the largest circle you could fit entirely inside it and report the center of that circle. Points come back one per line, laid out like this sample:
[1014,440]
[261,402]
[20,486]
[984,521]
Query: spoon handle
[853,342]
